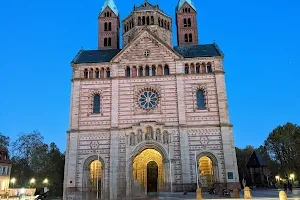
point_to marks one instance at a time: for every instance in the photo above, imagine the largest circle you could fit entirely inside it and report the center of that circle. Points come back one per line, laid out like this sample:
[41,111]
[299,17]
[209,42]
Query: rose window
[148,99]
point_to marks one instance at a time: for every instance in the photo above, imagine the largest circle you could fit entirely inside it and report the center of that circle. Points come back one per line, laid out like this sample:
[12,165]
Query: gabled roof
[181,2]
[256,161]
[95,56]
[111,4]
[205,50]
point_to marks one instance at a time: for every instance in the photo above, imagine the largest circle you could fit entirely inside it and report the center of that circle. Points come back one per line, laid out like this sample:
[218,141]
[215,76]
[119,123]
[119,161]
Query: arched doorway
[148,173]
[152,177]
[93,177]
[206,171]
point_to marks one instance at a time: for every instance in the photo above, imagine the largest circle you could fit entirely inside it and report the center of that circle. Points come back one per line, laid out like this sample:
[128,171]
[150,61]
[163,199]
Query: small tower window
[153,70]
[139,21]
[108,73]
[105,26]
[189,10]
[186,38]
[144,20]
[128,72]
[186,69]
[105,42]
[109,42]
[209,68]
[152,20]
[97,73]
[141,71]
[96,104]
[200,99]
[166,70]
[109,26]
[165,25]
[86,74]
[91,74]
[189,24]
[147,72]
[168,25]
[190,37]
[148,20]
[198,68]
[184,22]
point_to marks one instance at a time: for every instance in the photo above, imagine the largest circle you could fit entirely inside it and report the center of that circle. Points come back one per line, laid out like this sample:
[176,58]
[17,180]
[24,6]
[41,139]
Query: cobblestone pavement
[257,194]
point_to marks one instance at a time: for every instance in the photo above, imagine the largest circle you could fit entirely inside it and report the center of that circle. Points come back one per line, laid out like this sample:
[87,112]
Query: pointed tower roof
[111,4]
[181,2]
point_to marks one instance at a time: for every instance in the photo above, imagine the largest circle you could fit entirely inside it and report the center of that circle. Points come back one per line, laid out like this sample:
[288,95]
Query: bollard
[199,194]
[282,195]
[247,193]
[236,193]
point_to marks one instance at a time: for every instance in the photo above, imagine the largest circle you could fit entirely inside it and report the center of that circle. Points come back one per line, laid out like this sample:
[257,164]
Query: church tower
[186,20]
[108,26]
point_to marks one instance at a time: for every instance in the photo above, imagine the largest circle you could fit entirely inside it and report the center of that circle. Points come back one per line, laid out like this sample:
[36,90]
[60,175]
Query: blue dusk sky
[39,38]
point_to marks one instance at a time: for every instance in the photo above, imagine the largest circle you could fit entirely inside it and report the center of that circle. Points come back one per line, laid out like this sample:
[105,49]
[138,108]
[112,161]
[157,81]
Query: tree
[243,156]
[283,147]
[4,141]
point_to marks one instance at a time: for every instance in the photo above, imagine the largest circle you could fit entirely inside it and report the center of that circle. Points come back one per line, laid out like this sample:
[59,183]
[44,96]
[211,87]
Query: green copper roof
[111,4]
[181,2]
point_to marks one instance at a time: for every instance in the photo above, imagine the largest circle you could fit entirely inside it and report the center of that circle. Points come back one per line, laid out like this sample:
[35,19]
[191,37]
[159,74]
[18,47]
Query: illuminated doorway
[148,170]
[206,171]
[95,180]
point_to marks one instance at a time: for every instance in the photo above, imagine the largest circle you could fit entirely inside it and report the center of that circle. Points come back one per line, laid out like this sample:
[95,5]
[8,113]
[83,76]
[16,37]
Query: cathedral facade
[150,117]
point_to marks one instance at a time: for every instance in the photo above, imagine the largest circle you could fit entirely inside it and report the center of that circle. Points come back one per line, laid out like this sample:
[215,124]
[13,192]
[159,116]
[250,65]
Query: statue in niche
[132,139]
[158,135]
[140,136]
[149,133]
[166,137]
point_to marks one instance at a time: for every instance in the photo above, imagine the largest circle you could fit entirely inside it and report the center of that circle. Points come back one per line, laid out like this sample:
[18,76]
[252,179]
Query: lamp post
[13,181]
[292,177]
[32,181]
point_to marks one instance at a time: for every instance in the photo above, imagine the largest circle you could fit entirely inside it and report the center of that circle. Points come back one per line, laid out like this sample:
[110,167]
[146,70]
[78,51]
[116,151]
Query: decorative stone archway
[211,174]
[89,192]
[136,185]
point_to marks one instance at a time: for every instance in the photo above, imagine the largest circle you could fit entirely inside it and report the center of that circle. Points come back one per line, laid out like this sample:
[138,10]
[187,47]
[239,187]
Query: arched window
[134,71]
[91,74]
[165,25]
[96,104]
[147,72]
[105,26]
[139,21]
[189,10]
[189,24]
[186,38]
[104,14]
[97,73]
[109,26]
[192,68]
[190,37]
[108,73]
[166,70]
[144,20]
[209,68]
[86,74]
[109,42]
[168,25]
[105,42]
[203,68]
[141,71]
[153,70]
[200,99]
[184,22]
[186,69]
[159,70]
[152,20]
[198,70]
[128,72]
[148,20]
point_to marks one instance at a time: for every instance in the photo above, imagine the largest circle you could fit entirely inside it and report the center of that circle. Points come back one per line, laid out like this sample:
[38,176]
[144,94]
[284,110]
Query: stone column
[114,141]
[230,161]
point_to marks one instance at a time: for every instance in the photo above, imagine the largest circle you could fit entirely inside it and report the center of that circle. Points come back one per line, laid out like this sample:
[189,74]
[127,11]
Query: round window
[148,99]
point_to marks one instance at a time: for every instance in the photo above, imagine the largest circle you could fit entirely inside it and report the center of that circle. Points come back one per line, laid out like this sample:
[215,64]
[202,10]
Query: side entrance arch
[93,178]
[207,169]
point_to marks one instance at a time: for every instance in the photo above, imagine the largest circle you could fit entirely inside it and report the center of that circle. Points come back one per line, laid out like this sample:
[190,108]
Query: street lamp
[292,177]
[46,181]
[13,181]
[277,178]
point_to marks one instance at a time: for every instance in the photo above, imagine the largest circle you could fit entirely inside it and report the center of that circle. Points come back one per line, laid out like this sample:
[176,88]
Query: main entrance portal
[148,170]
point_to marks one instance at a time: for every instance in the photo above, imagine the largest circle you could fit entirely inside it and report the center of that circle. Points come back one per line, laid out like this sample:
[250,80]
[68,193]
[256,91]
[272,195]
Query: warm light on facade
[292,176]
[13,180]
[46,181]
[277,178]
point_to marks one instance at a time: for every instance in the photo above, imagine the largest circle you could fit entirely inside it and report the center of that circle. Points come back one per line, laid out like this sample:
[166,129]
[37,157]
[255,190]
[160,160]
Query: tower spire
[181,2]
[111,4]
